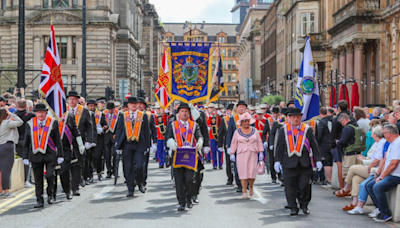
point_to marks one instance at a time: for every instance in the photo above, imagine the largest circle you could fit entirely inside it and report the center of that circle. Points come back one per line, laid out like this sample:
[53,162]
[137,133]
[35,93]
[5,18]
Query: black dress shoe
[130,194]
[69,196]
[76,193]
[142,188]
[220,167]
[215,167]
[39,205]
[91,180]
[239,190]
[189,205]
[282,184]
[99,177]
[50,200]
[161,166]
[181,208]
[229,183]
[87,182]
[306,211]
[287,207]
[108,176]
[195,199]
[83,183]
[294,212]
[274,181]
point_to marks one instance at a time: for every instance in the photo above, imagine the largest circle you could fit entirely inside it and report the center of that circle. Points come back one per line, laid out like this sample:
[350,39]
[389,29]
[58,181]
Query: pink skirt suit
[247,148]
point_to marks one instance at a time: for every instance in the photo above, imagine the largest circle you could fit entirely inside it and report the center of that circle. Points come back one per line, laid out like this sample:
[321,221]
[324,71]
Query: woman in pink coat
[247,144]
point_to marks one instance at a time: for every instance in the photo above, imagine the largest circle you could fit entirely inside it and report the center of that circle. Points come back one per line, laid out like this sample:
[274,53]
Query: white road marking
[103,194]
[259,197]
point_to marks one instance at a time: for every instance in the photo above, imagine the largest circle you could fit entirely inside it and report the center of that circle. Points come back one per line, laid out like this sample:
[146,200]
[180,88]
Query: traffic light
[112,94]
[35,94]
[107,93]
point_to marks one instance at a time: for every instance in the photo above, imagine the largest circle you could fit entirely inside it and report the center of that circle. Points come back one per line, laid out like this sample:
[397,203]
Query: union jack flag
[51,84]
[161,91]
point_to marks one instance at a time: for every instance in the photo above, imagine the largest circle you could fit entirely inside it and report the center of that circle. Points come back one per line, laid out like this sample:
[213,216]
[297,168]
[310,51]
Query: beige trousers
[347,162]
[356,175]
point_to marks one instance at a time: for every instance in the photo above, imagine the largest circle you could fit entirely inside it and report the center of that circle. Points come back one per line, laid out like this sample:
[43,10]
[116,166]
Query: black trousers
[237,179]
[146,166]
[298,185]
[198,179]
[228,165]
[76,171]
[97,155]
[133,165]
[271,166]
[65,171]
[50,162]
[88,166]
[109,155]
[184,184]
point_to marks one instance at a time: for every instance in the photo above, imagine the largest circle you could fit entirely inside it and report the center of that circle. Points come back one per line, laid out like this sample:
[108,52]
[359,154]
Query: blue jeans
[362,193]
[378,192]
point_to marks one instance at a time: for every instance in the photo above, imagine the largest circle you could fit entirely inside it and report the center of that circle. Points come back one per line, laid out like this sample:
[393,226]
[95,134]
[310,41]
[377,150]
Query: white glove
[271,147]
[154,147]
[229,151]
[221,149]
[195,113]
[206,150]
[219,113]
[232,157]
[319,165]
[25,161]
[208,128]
[80,144]
[94,145]
[170,152]
[119,151]
[199,144]
[166,111]
[277,167]
[172,144]
[88,145]
[265,144]
[99,130]
[260,156]
[60,160]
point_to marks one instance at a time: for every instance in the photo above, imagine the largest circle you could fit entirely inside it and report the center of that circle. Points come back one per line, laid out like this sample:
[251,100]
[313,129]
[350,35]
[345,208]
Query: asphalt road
[104,205]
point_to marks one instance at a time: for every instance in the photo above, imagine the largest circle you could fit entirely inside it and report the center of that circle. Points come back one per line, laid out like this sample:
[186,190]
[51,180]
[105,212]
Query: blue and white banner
[307,91]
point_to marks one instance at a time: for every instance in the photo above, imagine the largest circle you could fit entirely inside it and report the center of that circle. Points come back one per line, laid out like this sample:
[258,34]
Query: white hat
[252,108]
[211,105]
[157,105]
[262,106]
[259,111]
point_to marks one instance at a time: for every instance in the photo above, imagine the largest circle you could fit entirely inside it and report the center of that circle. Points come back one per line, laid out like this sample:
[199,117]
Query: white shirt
[378,152]
[393,153]
[184,124]
[134,114]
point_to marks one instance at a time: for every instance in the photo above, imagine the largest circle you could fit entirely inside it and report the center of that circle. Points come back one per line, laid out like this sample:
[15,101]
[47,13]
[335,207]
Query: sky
[210,11]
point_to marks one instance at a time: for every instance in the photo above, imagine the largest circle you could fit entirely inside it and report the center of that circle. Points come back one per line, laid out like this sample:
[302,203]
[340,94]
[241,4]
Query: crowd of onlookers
[365,144]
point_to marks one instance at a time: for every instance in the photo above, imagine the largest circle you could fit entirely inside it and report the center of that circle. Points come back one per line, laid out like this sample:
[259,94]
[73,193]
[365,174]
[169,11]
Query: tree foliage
[273,99]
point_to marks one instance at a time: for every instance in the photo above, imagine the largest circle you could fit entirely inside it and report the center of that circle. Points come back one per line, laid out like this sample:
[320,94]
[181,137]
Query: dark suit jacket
[144,137]
[25,116]
[153,129]
[222,132]
[292,162]
[85,126]
[170,133]
[202,122]
[50,154]
[337,128]
[266,130]
[231,131]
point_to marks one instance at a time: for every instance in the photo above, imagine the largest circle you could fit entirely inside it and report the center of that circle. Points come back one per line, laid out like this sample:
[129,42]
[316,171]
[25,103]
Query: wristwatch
[380,178]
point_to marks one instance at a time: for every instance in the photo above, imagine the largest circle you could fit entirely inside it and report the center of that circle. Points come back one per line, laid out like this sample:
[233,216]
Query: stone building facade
[226,35]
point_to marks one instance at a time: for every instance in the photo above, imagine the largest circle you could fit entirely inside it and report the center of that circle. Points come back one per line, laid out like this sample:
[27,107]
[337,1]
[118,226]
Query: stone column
[50,3]
[70,3]
[378,72]
[358,67]
[37,56]
[342,60]
[69,50]
[369,76]
[79,62]
[349,66]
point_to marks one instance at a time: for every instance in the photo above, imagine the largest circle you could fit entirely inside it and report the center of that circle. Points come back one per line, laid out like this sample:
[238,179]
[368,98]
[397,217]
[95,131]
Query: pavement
[104,205]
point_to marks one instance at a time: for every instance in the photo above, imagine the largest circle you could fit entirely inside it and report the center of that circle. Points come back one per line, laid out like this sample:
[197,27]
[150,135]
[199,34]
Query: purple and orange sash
[133,132]
[64,129]
[111,126]
[78,114]
[226,118]
[295,147]
[181,133]
[41,136]
[97,116]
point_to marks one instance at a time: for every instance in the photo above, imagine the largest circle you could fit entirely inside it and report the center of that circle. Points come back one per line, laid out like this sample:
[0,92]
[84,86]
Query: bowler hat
[284,110]
[241,103]
[110,105]
[230,106]
[275,109]
[183,105]
[40,107]
[132,100]
[295,111]
[73,93]
[125,104]
[290,102]
[92,101]
[141,100]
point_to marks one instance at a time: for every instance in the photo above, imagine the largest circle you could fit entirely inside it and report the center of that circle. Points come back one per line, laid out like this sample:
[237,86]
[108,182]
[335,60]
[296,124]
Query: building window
[74,48]
[75,3]
[223,52]
[229,53]
[60,3]
[229,90]
[229,77]
[73,82]
[65,82]
[304,24]
[312,23]
[229,64]
[3,4]
[221,39]
[62,45]
[234,64]
[233,77]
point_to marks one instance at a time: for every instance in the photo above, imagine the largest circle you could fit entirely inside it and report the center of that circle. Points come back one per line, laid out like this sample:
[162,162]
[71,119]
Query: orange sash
[133,133]
[97,116]
[181,132]
[111,127]
[40,136]
[236,117]
[295,146]
[226,121]
[78,114]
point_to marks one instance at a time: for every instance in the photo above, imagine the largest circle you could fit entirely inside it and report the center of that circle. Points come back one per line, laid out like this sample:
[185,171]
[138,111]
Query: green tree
[273,99]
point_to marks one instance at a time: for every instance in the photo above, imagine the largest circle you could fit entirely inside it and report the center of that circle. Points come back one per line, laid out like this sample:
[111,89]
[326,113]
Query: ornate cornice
[359,43]
[58,18]
[349,47]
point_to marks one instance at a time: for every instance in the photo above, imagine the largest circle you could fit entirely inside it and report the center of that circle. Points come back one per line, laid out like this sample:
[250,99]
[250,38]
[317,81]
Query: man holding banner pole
[181,138]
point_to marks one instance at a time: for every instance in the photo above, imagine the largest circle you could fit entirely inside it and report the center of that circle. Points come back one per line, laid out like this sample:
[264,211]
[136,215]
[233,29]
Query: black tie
[73,111]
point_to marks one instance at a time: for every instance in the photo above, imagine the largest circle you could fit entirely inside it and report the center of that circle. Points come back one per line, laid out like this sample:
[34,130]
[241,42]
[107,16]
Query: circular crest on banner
[308,85]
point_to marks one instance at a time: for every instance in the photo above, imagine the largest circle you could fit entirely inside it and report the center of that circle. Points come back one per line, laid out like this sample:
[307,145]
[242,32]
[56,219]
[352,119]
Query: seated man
[389,178]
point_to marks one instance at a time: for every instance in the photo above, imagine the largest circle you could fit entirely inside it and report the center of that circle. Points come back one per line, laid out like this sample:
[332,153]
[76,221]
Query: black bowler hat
[284,111]
[125,104]
[73,93]
[290,102]
[183,105]
[275,109]
[295,111]
[230,106]
[92,101]
[132,100]
[40,107]
[141,100]
[241,103]
[101,100]
[110,105]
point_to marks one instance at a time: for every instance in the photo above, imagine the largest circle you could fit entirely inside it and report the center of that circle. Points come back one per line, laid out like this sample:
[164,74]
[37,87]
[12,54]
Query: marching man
[43,148]
[184,132]
[213,123]
[111,114]
[161,126]
[223,130]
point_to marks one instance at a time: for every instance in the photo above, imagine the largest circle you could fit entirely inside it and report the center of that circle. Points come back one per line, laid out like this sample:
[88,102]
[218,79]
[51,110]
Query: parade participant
[223,130]
[213,123]
[249,149]
[252,111]
[260,126]
[84,123]
[161,122]
[124,106]
[241,106]
[101,104]
[180,133]
[97,125]
[101,127]
[70,139]
[133,139]
[141,106]
[209,113]
[111,115]
[82,101]
[43,148]
[264,108]
[297,152]
[290,104]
